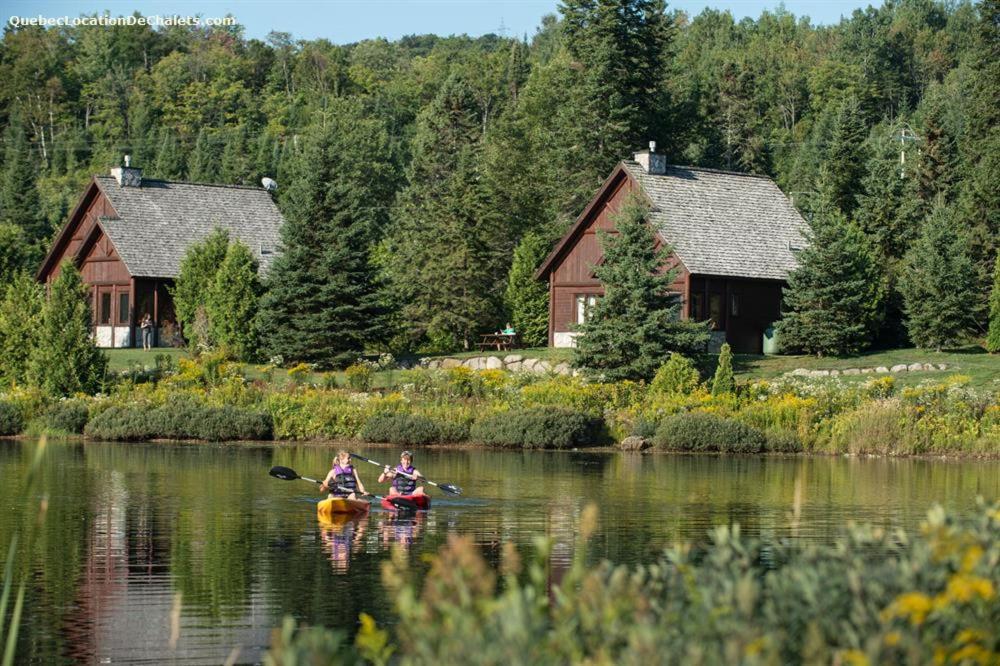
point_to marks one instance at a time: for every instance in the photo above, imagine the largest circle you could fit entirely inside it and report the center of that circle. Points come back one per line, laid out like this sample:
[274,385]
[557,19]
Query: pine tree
[834,297]
[636,324]
[939,284]
[191,288]
[526,298]
[20,315]
[450,253]
[993,336]
[64,359]
[232,303]
[886,208]
[724,382]
[13,251]
[20,204]
[203,162]
[322,302]
[169,164]
[235,163]
[844,157]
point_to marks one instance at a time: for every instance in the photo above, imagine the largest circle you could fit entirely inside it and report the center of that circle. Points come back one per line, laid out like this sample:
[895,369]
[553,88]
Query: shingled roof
[157,222]
[723,223]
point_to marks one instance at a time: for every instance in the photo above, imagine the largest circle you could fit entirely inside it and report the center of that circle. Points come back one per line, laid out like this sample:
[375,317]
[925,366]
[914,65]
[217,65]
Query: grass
[123,359]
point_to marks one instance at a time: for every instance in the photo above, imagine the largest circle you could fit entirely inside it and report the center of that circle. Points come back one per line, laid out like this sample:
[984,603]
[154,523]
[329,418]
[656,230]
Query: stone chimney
[127,176]
[651,161]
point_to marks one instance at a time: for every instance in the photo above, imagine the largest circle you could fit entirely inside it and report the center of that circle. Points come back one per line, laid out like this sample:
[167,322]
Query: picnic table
[498,341]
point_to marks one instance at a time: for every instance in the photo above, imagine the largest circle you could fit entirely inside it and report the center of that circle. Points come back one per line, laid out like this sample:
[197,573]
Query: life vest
[344,478]
[404,484]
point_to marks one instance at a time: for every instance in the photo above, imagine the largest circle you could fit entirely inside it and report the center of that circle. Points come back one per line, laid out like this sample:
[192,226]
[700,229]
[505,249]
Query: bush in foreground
[537,429]
[403,429]
[870,597]
[68,416]
[701,431]
[11,419]
[181,419]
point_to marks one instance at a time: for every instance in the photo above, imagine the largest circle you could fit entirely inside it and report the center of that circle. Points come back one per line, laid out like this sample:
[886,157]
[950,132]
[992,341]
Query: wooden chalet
[734,239]
[127,235]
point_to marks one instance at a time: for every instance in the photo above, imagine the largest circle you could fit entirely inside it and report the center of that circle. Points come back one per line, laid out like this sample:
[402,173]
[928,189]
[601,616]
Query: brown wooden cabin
[733,237]
[127,235]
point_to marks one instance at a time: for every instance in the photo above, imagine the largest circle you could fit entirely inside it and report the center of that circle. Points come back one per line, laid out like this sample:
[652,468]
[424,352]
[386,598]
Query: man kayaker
[343,479]
[403,485]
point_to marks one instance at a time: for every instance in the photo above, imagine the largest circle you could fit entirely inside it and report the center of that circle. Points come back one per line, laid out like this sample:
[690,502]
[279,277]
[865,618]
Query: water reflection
[144,541]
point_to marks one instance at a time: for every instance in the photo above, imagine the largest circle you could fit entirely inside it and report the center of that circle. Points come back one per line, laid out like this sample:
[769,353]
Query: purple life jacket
[344,478]
[404,484]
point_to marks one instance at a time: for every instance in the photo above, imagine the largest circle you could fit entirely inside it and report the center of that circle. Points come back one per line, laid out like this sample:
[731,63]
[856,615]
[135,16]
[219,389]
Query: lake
[191,553]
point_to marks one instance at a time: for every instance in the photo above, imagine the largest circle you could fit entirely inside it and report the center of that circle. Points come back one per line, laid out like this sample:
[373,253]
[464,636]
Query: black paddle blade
[451,489]
[283,473]
[403,504]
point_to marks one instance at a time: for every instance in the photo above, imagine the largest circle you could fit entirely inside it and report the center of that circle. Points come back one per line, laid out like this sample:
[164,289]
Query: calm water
[184,553]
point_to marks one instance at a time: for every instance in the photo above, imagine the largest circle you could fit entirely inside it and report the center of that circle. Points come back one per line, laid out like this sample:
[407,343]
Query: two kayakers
[343,479]
[403,485]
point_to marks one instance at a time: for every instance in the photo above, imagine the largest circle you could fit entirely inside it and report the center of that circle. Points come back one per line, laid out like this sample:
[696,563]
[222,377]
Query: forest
[423,180]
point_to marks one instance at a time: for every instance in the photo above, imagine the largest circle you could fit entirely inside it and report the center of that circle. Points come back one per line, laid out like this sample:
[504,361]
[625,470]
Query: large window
[123,308]
[584,306]
[105,309]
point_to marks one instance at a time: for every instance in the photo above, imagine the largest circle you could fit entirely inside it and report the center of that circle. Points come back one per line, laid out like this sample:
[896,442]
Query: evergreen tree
[844,158]
[20,314]
[526,298]
[20,204]
[993,335]
[194,281]
[724,382]
[322,302]
[834,297]
[169,164]
[13,251]
[235,164]
[449,251]
[939,284]
[636,324]
[232,303]
[64,359]
[203,162]
[886,206]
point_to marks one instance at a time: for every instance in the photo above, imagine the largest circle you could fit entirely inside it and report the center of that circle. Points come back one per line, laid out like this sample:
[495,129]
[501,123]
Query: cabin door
[103,316]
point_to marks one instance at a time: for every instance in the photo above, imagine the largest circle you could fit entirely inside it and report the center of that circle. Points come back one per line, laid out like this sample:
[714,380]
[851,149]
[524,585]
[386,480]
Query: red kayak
[406,502]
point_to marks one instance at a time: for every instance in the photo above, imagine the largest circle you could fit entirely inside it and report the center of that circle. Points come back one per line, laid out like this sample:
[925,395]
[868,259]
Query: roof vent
[127,176]
[651,161]
[269,184]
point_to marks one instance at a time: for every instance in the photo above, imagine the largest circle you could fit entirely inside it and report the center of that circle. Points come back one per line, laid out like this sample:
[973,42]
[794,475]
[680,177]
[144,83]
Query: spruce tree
[236,162]
[635,326]
[322,302]
[203,162]
[20,204]
[193,284]
[232,303]
[20,315]
[834,297]
[939,284]
[450,252]
[64,359]
[845,157]
[724,382]
[169,164]
[993,335]
[13,251]
[526,298]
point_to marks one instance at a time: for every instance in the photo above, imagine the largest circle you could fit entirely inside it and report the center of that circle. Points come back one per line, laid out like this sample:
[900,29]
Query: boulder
[899,367]
[929,366]
[529,364]
[543,366]
[867,371]
[852,371]
[915,367]
[835,373]
[819,373]
[942,366]
[512,358]
[562,369]
[882,370]
[514,366]
[799,372]
[450,363]
[633,443]
[494,363]
[475,363]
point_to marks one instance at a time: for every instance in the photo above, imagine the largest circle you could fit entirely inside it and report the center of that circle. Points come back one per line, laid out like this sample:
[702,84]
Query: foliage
[537,429]
[180,419]
[637,321]
[292,645]
[231,303]
[993,335]
[526,298]
[64,359]
[20,317]
[677,375]
[11,419]
[359,376]
[834,297]
[723,382]
[697,431]
[194,283]
[939,283]
[66,416]
[405,429]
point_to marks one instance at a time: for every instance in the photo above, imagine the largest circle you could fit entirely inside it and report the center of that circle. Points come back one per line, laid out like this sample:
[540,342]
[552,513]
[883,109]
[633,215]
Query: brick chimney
[651,161]
[127,176]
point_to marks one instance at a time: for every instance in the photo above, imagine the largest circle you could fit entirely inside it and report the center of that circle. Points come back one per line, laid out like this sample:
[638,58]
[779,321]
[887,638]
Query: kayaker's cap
[407,454]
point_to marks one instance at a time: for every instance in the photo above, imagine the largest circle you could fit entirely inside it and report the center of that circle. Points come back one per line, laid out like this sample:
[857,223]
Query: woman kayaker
[403,485]
[343,479]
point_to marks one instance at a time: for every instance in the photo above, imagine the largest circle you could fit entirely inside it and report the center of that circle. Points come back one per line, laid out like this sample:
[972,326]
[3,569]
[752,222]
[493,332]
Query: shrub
[874,427]
[180,419]
[677,375]
[644,428]
[782,441]
[66,416]
[723,381]
[359,376]
[537,428]
[406,429]
[452,431]
[699,431]
[11,419]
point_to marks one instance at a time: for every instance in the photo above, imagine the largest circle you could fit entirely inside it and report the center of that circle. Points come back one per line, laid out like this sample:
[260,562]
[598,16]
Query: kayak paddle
[449,488]
[288,474]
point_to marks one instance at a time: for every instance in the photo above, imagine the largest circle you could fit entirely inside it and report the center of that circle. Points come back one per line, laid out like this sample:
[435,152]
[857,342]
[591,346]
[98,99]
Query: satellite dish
[269,184]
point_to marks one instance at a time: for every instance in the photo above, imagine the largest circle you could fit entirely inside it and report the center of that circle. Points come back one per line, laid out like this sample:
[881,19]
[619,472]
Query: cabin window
[715,309]
[123,308]
[734,305]
[584,307]
[105,313]
[697,307]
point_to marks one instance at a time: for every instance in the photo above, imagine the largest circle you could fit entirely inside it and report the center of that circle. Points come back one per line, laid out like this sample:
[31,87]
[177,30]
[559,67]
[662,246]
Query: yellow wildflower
[964,588]
[892,638]
[855,658]
[912,605]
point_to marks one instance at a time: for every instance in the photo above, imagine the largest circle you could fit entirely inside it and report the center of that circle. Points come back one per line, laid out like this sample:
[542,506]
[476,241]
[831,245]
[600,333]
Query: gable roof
[717,222]
[158,221]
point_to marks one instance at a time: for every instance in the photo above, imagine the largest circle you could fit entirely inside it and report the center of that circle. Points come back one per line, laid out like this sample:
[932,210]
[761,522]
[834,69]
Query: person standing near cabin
[343,479]
[403,485]
[147,332]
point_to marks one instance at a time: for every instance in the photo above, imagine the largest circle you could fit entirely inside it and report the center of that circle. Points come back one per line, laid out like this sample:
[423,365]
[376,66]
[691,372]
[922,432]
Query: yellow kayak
[335,505]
